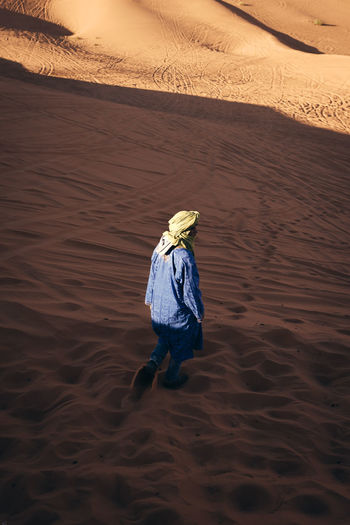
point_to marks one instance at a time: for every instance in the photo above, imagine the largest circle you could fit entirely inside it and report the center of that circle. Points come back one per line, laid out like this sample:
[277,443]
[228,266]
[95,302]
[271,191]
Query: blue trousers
[158,354]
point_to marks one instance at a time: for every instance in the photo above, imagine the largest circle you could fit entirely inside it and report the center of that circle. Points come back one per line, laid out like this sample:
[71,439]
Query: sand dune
[205,48]
[114,115]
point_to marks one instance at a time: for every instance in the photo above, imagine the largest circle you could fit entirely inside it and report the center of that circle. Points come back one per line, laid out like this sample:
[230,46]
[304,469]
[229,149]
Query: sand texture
[114,115]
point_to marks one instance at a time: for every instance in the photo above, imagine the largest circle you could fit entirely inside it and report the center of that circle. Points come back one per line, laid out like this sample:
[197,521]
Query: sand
[115,115]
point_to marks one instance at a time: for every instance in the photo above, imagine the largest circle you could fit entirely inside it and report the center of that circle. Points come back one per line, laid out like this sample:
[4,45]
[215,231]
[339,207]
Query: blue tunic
[176,302]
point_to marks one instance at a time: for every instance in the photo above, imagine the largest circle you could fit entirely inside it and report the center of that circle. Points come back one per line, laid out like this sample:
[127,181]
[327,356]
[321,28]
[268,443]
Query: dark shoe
[146,374]
[181,380]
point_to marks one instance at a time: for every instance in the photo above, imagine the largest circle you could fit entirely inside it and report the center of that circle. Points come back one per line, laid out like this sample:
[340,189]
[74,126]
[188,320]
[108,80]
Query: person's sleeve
[151,277]
[191,293]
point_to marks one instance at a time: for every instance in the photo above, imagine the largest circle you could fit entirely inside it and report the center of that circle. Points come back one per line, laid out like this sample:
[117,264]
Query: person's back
[175,287]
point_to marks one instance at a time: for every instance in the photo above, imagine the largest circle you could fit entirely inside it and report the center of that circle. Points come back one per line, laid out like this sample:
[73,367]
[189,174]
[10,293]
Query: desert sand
[114,115]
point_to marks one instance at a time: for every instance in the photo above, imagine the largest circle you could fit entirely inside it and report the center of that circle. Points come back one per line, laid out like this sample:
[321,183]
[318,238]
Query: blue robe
[176,302]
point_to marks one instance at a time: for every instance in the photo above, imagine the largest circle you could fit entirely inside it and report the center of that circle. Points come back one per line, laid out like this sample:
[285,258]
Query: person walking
[175,300]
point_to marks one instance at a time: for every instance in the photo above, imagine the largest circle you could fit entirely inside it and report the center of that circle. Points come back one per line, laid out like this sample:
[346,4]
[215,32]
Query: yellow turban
[179,229]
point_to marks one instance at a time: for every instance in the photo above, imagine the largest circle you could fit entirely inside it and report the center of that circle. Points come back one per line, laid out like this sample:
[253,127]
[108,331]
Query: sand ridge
[208,48]
[95,159]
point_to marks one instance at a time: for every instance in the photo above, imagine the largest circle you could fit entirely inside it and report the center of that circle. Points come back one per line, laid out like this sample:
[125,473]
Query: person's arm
[151,277]
[191,293]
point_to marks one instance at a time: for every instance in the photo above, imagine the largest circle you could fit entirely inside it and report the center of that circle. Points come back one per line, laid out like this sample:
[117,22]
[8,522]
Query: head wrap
[179,233]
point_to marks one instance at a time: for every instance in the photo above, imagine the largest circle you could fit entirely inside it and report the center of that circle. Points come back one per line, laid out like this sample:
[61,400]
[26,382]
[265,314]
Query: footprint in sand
[310,505]
[251,497]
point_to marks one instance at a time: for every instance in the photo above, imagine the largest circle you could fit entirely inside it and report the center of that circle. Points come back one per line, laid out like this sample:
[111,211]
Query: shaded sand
[91,169]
